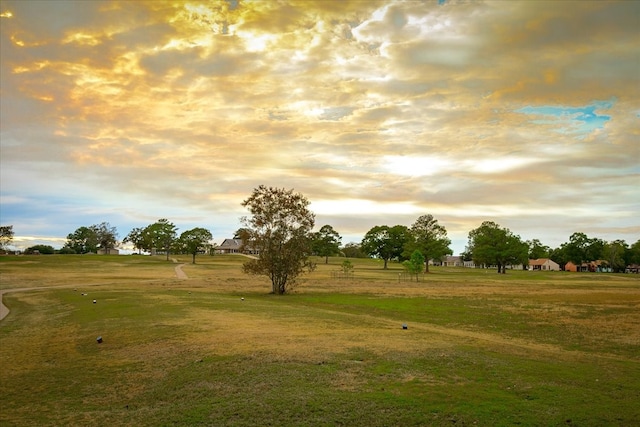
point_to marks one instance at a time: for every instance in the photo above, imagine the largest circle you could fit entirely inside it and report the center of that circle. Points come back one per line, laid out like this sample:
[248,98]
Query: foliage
[491,244]
[6,236]
[581,248]
[195,241]
[82,241]
[41,249]
[280,226]
[633,254]
[414,264]
[326,242]
[429,238]
[537,250]
[347,266]
[161,235]
[613,254]
[386,242]
[89,239]
[106,236]
[353,250]
[138,238]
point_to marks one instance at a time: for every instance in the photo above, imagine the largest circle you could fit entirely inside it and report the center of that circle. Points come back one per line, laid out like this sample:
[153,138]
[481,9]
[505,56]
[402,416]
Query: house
[110,251]
[234,246]
[543,264]
[633,268]
[453,261]
[597,266]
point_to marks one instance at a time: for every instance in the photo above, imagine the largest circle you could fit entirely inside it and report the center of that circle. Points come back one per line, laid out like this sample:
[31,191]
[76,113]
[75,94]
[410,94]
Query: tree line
[279,228]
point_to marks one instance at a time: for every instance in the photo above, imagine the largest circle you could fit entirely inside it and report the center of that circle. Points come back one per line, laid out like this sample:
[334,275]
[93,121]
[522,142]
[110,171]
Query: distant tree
[414,264]
[386,242]
[632,255]
[242,233]
[65,250]
[6,236]
[537,250]
[353,250]
[595,249]
[162,235]
[41,249]
[195,241]
[106,236]
[559,255]
[576,248]
[138,239]
[326,242]
[429,238]
[491,244]
[82,241]
[280,230]
[613,253]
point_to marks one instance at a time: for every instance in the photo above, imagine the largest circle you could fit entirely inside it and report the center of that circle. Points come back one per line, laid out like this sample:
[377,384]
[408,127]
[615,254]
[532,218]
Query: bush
[40,249]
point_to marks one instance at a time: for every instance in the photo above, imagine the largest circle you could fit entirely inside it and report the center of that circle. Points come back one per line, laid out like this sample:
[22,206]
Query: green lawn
[525,348]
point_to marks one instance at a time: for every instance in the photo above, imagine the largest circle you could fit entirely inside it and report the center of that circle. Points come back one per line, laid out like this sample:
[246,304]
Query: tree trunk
[426,266]
[385,263]
[326,259]
[194,258]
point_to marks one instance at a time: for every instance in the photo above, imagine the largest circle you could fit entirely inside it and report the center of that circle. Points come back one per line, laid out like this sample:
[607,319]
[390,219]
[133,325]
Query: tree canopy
[6,236]
[386,242]
[195,241]
[279,227]
[161,235]
[491,244]
[326,242]
[430,238]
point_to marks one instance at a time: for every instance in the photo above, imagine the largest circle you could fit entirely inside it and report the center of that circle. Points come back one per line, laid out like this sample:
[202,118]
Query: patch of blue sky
[578,121]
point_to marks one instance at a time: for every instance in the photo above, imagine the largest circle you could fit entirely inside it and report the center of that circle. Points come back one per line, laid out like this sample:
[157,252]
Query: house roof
[539,261]
[230,244]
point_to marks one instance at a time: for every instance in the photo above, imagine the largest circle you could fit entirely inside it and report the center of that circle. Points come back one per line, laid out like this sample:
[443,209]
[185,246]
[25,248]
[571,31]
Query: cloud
[466,110]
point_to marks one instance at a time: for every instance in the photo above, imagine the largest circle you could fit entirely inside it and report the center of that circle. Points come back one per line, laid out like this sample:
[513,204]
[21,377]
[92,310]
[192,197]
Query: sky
[525,113]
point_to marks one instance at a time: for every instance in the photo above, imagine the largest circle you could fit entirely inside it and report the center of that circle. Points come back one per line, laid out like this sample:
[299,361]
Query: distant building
[543,264]
[234,246]
[112,251]
[597,266]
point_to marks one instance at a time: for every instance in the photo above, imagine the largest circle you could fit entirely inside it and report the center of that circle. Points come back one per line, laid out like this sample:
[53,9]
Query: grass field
[480,349]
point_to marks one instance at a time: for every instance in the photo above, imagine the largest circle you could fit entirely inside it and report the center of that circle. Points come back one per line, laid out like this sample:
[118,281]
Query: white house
[543,264]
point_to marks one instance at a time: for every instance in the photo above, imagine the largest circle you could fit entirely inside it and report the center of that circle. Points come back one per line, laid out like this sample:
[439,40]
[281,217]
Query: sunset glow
[524,113]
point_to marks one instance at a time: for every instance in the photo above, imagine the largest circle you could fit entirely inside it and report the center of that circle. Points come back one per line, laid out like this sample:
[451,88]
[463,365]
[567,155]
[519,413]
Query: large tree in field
[6,236]
[386,242]
[491,244]
[430,238]
[326,242]
[162,234]
[82,241]
[279,227]
[195,240]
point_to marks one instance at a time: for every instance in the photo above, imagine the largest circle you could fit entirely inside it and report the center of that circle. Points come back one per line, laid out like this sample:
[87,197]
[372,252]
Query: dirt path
[179,273]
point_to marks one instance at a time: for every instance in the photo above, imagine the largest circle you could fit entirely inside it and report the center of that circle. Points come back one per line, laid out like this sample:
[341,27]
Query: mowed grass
[525,348]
